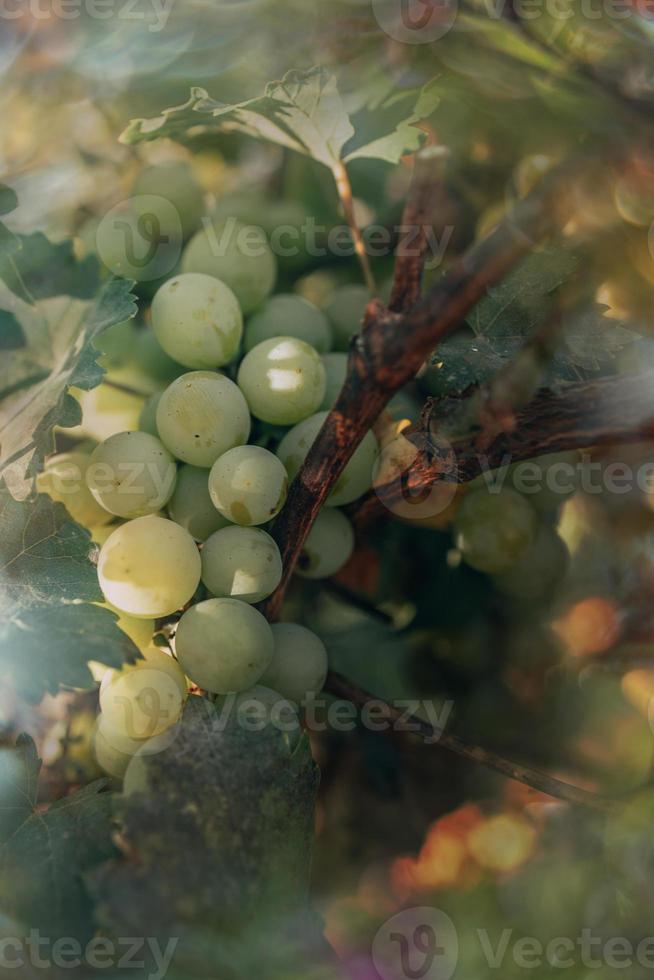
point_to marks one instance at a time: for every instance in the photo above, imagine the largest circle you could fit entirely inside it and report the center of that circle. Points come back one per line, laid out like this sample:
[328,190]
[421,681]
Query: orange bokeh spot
[590,626]
[502,843]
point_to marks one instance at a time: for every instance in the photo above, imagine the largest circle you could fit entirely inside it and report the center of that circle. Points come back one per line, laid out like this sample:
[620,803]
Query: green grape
[287,315]
[200,416]
[335,366]
[547,481]
[150,357]
[283,380]
[299,663]
[145,698]
[345,311]
[64,479]
[175,183]
[237,254]
[149,567]
[148,416]
[107,410]
[140,238]
[131,474]
[241,563]
[223,645]
[355,479]
[495,530]
[540,568]
[328,547]
[191,506]
[248,485]
[262,709]
[113,751]
[197,320]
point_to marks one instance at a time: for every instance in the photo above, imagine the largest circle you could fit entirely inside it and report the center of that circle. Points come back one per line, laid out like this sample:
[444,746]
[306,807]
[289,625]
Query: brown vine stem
[391,349]
[344,189]
[610,411]
[544,783]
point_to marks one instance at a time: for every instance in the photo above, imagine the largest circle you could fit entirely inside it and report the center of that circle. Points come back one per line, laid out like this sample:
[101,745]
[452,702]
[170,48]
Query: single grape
[237,254]
[175,183]
[248,485]
[328,547]
[283,380]
[148,416]
[131,474]
[149,567]
[355,479]
[191,506]
[200,416]
[241,563]
[151,359]
[299,663]
[345,311]
[286,315]
[539,569]
[223,645]
[64,479]
[335,366]
[145,698]
[260,708]
[106,410]
[197,320]
[494,530]
[114,751]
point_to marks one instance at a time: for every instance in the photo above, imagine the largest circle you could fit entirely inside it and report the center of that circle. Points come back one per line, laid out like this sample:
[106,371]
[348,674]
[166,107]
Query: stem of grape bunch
[392,346]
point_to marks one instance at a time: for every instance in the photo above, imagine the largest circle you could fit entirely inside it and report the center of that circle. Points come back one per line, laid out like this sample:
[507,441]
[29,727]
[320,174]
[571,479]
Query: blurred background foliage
[561,680]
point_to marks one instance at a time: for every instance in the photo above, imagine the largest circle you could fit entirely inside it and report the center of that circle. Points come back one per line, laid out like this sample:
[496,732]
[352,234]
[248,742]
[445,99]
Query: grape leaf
[304,112]
[589,343]
[42,866]
[49,628]
[219,841]
[19,773]
[12,336]
[501,322]
[35,379]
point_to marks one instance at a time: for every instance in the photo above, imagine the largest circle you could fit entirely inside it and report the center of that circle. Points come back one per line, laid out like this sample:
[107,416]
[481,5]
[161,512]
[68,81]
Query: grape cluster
[180,506]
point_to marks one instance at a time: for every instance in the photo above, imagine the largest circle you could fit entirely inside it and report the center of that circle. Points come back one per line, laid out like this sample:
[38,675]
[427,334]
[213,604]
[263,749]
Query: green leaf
[406,137]
[12,336]
[19,773]
[590,342]
[34,380]
[40,269]
[220,839]
[42,866]
[501,322]
[303,112]
[49,629]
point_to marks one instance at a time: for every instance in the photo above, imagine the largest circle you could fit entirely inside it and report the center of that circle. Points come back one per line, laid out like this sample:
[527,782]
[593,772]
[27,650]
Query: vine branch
[391,349]
[544,783]
[610,411]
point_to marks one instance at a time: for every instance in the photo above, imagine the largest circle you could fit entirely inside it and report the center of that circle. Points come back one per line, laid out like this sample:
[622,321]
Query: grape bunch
[181,503]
